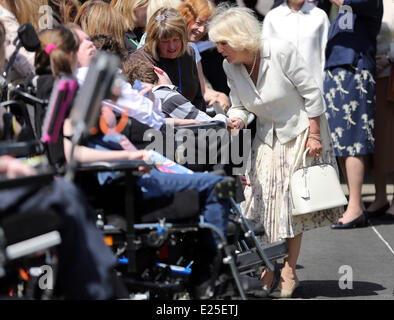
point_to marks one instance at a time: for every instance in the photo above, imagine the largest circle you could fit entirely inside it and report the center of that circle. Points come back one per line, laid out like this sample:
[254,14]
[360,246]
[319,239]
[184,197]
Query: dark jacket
[130,41]
[355,46]
[185,77]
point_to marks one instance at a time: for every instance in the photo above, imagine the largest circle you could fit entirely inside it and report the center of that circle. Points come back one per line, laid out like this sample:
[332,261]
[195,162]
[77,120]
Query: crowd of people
[311,82]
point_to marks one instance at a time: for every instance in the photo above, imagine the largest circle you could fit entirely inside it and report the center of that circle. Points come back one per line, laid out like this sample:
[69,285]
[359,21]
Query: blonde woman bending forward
[270,79]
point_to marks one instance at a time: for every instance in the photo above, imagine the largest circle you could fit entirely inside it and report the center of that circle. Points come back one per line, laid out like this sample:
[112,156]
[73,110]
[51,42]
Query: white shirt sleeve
[237,110]
[324,39]
[137,106]
[267,29]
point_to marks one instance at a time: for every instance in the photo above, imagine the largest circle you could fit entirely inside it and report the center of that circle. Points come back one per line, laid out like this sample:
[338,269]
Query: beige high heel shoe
[279,293]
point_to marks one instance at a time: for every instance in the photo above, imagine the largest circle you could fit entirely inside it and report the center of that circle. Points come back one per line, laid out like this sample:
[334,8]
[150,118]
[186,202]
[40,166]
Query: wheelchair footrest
[250,259]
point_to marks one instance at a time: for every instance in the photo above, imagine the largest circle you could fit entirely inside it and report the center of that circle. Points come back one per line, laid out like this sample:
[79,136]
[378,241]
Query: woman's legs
[354,173]
[380,189]
[288,274]
[267,277]
[391,209]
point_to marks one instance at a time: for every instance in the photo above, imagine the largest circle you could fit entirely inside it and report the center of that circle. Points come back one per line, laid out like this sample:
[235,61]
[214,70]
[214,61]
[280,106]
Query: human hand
[212,96]
[109,116]
[314,145]
[163,76]
[381,63]
[223,101]
[15,168]
[147,89]
[229,124]
[141,155]
[338,3]
[237,123]
[138,155]
[244,181]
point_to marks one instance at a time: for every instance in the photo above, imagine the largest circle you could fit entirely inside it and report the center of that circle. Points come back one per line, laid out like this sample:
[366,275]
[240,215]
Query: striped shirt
[175,105]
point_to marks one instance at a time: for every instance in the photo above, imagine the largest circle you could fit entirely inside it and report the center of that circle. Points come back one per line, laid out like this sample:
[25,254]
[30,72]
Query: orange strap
[104,126]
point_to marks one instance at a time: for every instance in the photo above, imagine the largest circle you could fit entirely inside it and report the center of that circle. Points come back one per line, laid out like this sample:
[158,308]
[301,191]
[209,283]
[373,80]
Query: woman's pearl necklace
[254,64]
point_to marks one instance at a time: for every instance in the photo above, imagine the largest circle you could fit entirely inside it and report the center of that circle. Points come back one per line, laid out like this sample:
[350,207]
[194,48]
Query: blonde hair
[98,17]
[127,7]
[66,42]
[155,5]
[65,10]
[164,24]
[238,26]
[26,11]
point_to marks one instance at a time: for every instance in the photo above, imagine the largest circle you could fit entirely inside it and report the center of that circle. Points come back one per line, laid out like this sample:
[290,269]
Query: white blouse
[306,29]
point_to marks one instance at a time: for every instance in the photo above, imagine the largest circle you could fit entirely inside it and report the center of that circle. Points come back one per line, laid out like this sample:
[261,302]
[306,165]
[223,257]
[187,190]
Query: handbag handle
[304,158]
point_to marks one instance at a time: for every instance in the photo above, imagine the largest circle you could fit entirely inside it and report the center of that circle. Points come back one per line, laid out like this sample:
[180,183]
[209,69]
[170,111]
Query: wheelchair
[153,242]
[28,240]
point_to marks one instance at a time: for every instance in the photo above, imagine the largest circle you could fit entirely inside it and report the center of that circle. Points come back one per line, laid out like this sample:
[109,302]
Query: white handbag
[315,188]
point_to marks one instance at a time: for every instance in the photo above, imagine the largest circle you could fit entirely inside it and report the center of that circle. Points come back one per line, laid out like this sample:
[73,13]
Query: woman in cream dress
[270,79]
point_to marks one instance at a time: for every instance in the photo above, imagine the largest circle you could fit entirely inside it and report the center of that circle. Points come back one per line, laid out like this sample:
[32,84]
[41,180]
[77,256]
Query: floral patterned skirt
[349,93]
[268,199]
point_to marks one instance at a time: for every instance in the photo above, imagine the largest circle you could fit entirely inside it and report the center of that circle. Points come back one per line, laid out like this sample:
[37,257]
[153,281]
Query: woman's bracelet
[314,137]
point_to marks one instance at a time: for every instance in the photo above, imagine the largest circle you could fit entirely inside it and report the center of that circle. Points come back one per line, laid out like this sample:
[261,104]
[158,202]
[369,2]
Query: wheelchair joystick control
[100,222]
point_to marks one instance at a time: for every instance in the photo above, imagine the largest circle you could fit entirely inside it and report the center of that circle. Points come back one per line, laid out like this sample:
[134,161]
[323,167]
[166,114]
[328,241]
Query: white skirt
[268,198]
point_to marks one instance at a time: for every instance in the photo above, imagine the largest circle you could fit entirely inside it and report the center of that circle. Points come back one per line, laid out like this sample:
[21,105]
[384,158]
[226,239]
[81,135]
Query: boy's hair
[142,70]
[108,44]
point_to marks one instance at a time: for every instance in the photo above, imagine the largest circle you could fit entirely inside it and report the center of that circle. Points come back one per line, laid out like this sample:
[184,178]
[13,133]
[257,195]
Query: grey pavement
[324,251]
[367,253]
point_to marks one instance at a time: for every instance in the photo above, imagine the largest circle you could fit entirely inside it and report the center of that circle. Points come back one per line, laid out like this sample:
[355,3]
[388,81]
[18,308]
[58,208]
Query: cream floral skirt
[268,199]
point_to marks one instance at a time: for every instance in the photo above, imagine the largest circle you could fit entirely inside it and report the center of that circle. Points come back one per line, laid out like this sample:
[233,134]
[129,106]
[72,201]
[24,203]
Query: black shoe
[361,221]
[380,212]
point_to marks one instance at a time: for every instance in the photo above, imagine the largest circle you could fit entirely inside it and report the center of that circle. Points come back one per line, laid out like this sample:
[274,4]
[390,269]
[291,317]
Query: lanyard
[179,75]
[136,43]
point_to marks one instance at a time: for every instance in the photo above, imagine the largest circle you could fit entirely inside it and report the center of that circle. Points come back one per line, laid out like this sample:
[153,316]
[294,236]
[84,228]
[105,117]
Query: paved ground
[369,252]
